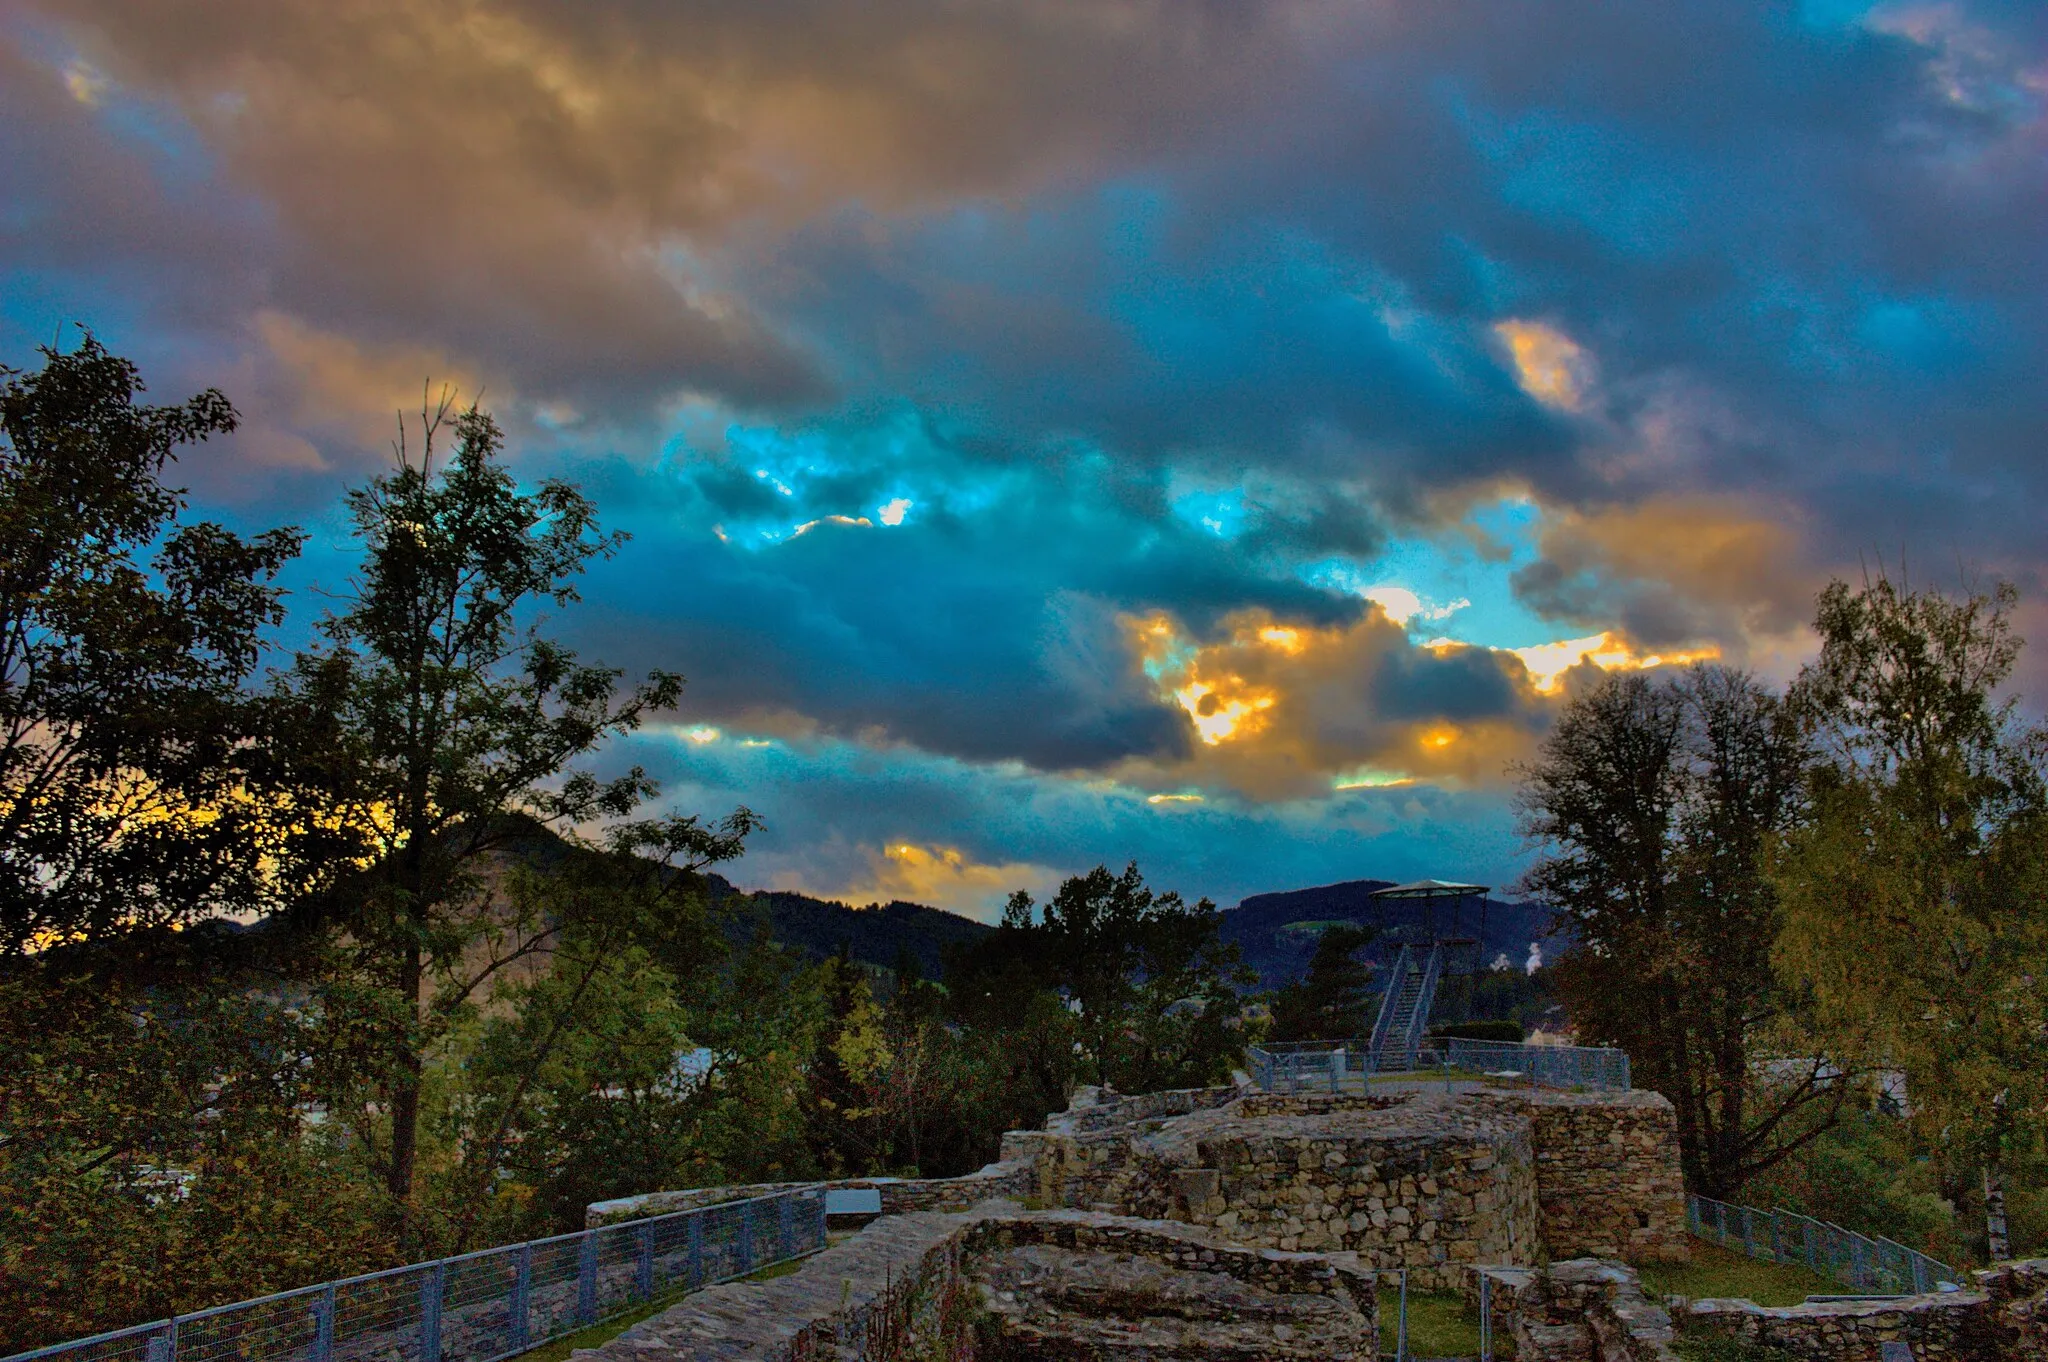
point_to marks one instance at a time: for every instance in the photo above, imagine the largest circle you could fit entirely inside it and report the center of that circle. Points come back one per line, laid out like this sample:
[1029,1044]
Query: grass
[604,1331]
[1718,1272]
[1439,1325]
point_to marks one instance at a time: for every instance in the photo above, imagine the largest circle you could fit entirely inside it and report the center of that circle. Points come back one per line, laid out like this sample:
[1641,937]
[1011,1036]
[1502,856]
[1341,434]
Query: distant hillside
[1277,932]
[873,936]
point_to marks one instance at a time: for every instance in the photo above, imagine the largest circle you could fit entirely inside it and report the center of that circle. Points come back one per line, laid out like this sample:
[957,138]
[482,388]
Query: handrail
[1389,1000]
[538,1290]
[1425,999]
[1291,1066]
[1826,1249]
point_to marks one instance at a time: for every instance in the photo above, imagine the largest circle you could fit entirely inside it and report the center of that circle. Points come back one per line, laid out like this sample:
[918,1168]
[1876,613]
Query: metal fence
[1875,1265]
[483,1306]
[1347,1065]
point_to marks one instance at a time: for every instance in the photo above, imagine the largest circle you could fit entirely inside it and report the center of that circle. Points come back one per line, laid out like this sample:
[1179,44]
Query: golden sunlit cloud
[1173,799]
[1402,605]
[939,876]
[702,733]
[1548,662]
[1296,710]
[1549,365]
[1283,710]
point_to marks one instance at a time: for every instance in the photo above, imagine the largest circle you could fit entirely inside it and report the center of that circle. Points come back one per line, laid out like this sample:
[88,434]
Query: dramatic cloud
[1216,432]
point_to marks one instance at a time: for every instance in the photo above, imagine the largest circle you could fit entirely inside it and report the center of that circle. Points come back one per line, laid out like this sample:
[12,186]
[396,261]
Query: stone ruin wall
[904,1289]
[1312,1188]
[1608,1180]
[1423,1181]
[1425,1187]
[1587,1310]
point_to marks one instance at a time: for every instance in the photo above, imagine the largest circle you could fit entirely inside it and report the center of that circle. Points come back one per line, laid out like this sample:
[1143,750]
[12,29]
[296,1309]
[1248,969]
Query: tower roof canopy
[1429,889]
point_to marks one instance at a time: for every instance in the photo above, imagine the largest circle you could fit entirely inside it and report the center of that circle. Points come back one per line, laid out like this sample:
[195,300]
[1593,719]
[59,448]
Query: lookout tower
[1445,942]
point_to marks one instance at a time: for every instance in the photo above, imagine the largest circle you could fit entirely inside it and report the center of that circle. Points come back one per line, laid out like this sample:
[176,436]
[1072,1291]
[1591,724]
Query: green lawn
[1438,1326]
[1721,1273]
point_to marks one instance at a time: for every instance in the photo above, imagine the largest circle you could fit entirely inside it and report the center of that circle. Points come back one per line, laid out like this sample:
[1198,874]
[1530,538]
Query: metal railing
[1347,1065]
[1874,1265]
[483,1306]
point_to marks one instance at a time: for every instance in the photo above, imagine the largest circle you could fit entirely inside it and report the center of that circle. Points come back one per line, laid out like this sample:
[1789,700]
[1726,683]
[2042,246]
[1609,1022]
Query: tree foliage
[1654,802]
[132,763]
[1152,989]
[444,720]
[1332,1001]
[1916,896]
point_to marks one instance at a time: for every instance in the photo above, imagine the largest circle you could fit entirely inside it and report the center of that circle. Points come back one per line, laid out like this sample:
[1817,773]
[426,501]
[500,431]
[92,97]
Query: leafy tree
[567,1085]
[445,722]
[847,1072]
[1333,1000]
[1654,801]
[1153,987]
[153,1150]
[1915,895]
[131,760]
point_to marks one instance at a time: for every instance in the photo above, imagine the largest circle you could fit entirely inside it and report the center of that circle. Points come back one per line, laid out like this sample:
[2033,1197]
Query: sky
[1215,433]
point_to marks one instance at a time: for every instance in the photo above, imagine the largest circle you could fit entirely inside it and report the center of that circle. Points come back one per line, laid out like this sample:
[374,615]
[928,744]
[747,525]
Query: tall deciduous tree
[131,759]
[446,720]
[1654,802]
[1917,896]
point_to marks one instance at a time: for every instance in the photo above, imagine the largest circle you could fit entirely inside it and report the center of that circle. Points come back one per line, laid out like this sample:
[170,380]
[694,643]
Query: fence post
[785,1229]
[522,1297]
[432,1290]
[1486,1319]
[746,1238]
[1777,1240]
[586,1279]
[643,1280]
[163,1347]
[696,1250]
[323,1324]
[1401,1328]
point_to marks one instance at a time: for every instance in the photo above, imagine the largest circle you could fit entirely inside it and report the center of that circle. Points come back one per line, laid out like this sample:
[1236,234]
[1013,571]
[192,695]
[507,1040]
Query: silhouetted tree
[1655,801]
[1333,1000]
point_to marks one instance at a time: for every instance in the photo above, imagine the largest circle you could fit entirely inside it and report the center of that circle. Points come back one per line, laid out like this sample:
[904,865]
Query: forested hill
[1278,931]
[873,936]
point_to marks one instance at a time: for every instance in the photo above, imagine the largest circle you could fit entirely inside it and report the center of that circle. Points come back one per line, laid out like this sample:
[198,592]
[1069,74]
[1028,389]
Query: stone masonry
[1018,1285]
[1588,1310]
[1212,1222]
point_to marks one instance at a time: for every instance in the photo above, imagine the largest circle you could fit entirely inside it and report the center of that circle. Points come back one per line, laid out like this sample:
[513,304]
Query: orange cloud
[1549,662]
[939,877]
[1294,710]
[1549,365]
[1289,710]
[1673,576]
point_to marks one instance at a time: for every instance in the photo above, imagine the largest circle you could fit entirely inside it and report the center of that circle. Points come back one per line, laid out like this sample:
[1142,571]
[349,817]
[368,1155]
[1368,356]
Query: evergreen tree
[1333,1000]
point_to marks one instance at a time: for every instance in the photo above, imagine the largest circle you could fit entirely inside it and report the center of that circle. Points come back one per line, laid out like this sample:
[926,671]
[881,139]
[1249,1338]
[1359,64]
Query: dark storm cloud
[987,626]
[1730,291]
